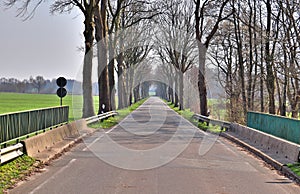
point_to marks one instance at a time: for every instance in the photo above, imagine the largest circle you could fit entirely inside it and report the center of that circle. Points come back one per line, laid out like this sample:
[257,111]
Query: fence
[15,125]
[100,117]
[222,124]
[286,128]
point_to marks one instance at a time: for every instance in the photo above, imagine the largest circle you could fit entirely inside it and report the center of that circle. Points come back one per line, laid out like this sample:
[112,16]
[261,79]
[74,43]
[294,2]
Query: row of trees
[186,32]
[114,35]
[257,55]
[253,45]
[116,28]
[32,85]
[106,23]
[255,51]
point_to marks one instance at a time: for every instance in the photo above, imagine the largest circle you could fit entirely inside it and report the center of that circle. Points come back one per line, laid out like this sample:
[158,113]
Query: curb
[277,165]
[290,174]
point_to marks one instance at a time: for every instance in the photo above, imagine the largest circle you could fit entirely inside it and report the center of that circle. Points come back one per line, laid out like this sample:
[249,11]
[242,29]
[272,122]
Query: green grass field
[14,102]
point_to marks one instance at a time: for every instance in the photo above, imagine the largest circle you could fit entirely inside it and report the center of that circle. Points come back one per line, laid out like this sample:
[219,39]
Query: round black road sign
[61,82]
[61,92]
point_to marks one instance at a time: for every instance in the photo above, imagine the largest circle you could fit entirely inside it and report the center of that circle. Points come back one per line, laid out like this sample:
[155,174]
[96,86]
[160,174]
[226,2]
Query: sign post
[61,91]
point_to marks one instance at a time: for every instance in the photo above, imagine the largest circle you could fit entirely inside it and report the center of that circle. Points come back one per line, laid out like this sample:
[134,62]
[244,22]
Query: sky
[45,45]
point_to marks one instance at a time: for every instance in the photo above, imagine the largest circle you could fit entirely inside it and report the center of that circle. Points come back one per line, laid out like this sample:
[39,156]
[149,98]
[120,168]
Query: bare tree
[288,68]
[177,42]
[204,34]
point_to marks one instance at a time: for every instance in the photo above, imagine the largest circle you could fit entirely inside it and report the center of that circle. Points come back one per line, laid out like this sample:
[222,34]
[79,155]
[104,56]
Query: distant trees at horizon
[40,85]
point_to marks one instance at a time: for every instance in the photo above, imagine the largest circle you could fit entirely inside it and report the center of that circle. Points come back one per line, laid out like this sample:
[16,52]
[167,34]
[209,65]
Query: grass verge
[112,121]
[14,171]
[188,115]
[210,128]
[295,168]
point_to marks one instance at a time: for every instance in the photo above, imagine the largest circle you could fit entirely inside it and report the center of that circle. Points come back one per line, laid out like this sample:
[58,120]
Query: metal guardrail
[15,151]
[11,152]
[100,117]
[222,124]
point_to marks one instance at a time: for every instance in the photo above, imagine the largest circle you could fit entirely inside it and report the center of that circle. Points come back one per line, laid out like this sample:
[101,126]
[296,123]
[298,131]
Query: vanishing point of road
[154,150]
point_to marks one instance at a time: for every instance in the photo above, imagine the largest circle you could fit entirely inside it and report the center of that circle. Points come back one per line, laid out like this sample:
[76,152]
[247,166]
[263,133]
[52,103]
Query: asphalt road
[154,150]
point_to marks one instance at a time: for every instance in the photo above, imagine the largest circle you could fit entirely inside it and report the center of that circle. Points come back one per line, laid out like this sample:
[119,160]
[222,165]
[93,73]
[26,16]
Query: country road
[154,150]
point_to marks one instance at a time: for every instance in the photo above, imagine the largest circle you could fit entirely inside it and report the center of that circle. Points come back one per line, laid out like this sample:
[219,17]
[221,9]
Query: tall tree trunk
[131,75]
[176,89]
[294,96]
[269,64]
[88,105]
[130,99]
[181,107]
[136,93]
[250,69]
[171,90]
[240,63]
[282,104]
[111,71]
[165,91]
[201,79]
[143,90]
[278,94]
[284,98]
[256,56]
[101,38]
[262,101]
[229,85]
[120,81]
[126,88]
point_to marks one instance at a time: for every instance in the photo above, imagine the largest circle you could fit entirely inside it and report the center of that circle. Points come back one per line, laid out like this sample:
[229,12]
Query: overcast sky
[46,45]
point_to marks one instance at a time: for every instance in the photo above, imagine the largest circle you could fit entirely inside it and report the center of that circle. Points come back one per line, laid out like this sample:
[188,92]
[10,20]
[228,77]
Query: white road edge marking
[53,177]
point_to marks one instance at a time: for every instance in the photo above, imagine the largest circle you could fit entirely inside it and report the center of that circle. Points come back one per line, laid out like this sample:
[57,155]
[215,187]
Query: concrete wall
[44,141]
[282,127]
[274,145]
